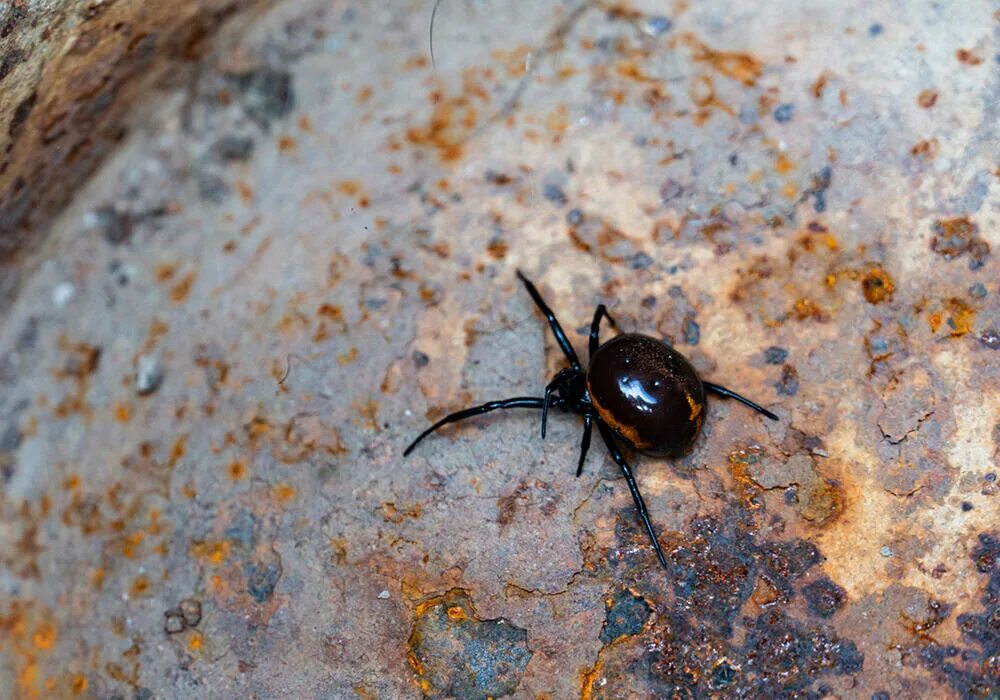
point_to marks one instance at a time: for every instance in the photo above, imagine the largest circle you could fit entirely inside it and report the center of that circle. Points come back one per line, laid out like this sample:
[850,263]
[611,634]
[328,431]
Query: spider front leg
[557,330]
[516,402]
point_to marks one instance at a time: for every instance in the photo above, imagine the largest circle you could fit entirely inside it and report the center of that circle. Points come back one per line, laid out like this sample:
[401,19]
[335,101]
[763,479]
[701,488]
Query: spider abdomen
[647,392]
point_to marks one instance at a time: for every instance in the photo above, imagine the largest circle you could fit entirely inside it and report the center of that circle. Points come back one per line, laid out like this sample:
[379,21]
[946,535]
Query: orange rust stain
[416,62]
[783,164]
[45,636]
[790,190]
[822,502]
[214,552]
[364,94]
[738,66]
[123,411]
[628,69]
[497,249]
[348,357]
[179,292]
[131,543]
[286,144]
[452,121]
[237,470]
[590,678]
[330,311]
[164,271]
[967,57]
[927,98]
[284,492]
[177,451]
[368,410]
[305,123]
[139,587]
[820,85]
[79,685]
[245,191]
[456,612]
[196,641]
[959,317]
[877,285]
[806,308]
[339,547]
[557,121]
[420,670]
[27,678]
[393,514]
[349,187]
[925,148]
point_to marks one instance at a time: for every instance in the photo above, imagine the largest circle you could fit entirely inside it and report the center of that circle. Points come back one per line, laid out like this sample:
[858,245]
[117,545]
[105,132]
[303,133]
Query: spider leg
[595,327]
[730,394]
[616,455]
[517,402]
[551,397]
[557,330]
[585,443]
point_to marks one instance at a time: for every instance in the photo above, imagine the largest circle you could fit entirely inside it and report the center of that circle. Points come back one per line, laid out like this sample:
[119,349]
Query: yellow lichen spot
[831,280]
[45,636]
[216,582]
[72,481]
[455,612]
[284,492]
[783,164]
[196,641]
[50,683]
[80,684]
[790,190]
[139,587]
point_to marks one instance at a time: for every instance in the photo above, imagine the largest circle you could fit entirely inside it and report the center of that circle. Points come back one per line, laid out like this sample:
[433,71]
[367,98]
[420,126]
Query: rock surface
[315,241]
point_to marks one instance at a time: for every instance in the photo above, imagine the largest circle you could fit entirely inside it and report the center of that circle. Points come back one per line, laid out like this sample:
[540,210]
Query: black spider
[635,388]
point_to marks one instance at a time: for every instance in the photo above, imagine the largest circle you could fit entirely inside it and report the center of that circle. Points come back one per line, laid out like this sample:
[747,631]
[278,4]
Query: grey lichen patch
[455,654]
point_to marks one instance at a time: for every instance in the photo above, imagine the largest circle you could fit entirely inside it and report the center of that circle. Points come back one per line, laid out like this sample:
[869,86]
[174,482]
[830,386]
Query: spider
[635,388]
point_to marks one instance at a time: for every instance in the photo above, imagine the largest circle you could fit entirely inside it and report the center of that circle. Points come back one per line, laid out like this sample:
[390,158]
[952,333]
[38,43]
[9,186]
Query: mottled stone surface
[296,261]
[70,73]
